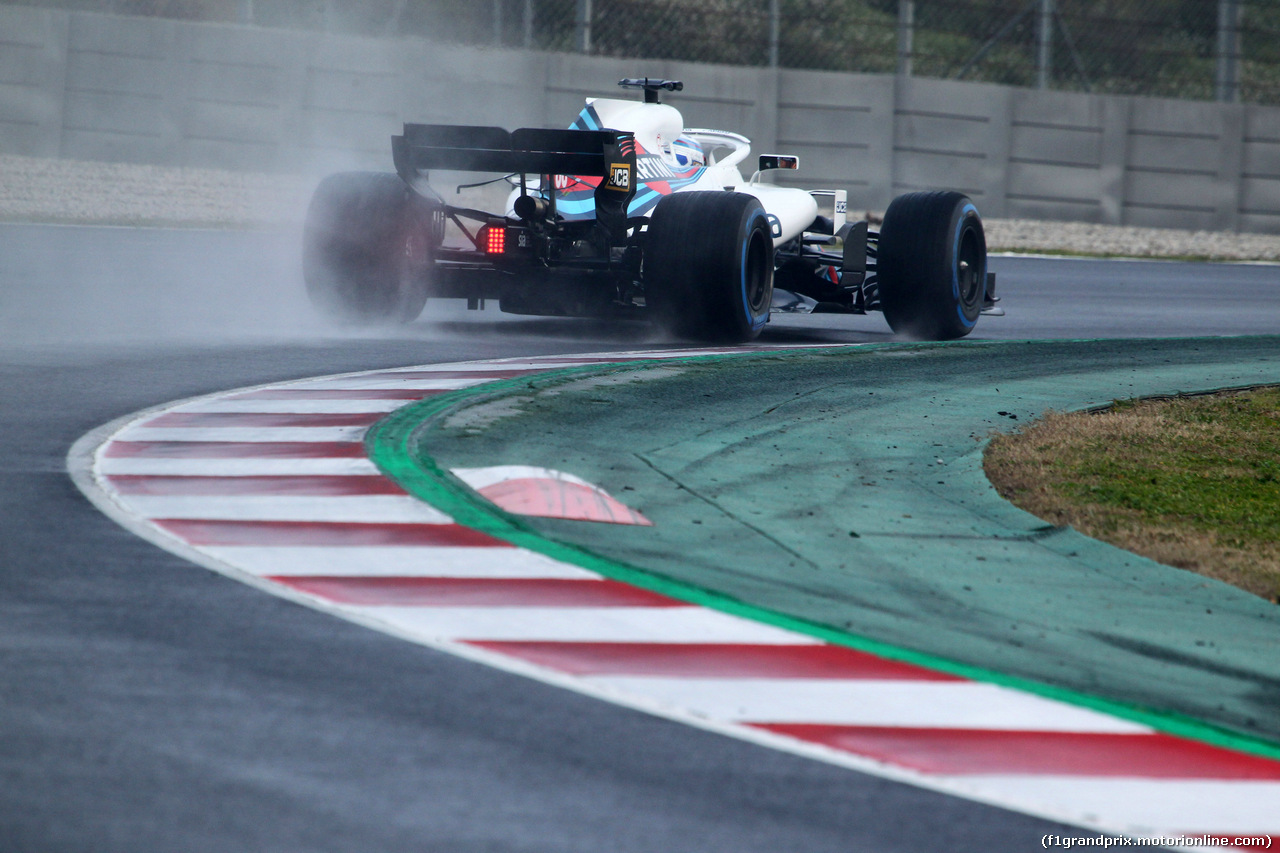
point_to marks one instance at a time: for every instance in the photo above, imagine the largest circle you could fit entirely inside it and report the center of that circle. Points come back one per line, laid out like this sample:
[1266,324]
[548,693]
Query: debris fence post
[1044,52]
[775,31]
[1227,73]
[906,32]
[582,26]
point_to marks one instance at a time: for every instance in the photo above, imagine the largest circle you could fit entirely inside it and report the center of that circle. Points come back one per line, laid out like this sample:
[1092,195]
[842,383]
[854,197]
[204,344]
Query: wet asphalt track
[151,705]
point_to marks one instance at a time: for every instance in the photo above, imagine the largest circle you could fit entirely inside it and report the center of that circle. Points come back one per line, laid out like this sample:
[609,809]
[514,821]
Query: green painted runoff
[843,489]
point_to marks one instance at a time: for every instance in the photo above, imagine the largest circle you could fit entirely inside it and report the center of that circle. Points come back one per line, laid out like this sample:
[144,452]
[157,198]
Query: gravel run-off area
[68,191]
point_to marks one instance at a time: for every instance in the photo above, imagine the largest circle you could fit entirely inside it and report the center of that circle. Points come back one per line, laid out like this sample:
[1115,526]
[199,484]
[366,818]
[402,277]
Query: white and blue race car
[630,213]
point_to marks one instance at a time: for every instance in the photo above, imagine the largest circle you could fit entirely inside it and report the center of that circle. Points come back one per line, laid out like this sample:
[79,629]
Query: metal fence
[1226,50]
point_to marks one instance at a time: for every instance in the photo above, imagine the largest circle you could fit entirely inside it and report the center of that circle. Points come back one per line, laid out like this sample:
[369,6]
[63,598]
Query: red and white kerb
[271,485]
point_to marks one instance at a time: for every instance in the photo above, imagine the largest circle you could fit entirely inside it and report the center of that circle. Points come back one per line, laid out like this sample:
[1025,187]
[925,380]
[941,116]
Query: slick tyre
[366,249]
[932,265]
[708,266]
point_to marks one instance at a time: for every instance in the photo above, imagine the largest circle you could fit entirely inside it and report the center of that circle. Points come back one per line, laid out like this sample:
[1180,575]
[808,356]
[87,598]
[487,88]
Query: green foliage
[1214,468]
[1142,47]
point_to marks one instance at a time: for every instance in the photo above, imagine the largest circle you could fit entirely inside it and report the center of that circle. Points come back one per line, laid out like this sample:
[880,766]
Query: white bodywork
[657,126]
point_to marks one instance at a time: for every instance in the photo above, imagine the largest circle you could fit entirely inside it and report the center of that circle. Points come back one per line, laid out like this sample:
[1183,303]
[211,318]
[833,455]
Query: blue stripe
[645,200]
[955,271]
[756,321]
[586,206]
[587,118]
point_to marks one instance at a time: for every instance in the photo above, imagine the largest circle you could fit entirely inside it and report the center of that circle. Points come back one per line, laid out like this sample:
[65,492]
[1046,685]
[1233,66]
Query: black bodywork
[548,265]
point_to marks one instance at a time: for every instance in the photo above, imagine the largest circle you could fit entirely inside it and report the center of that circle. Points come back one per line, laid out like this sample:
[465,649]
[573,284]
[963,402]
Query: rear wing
[529,150]
[606,154]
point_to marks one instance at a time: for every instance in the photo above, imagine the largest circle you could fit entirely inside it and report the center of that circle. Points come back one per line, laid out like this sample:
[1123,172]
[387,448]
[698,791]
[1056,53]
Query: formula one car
[630,213]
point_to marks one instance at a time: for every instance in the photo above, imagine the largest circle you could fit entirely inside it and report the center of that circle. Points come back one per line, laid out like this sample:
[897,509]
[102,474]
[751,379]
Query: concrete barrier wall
[101,87]
[1259,196]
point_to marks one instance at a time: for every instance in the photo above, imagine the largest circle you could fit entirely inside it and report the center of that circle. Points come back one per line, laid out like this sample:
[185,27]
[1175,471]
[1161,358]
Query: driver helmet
[687,153]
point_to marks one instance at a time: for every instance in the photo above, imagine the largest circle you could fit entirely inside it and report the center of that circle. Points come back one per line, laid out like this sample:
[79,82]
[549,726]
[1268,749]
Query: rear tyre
[932,265]
[366,249]
[708,266]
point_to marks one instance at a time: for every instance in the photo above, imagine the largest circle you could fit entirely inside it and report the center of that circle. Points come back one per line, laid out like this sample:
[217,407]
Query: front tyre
[708,266]
[932,265]
[366,249]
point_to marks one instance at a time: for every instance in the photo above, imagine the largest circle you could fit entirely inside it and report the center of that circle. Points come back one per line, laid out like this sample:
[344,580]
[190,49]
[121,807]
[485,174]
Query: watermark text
[1256,842]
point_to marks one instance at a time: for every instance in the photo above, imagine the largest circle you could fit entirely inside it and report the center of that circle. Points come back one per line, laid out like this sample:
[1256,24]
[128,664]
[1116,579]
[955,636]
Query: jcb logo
[620,177]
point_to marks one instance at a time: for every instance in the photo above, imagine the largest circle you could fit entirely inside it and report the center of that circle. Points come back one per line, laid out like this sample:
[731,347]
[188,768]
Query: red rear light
[494,240]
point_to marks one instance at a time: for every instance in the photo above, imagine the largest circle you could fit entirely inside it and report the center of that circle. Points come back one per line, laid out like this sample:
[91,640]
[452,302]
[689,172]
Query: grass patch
[1192,482]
